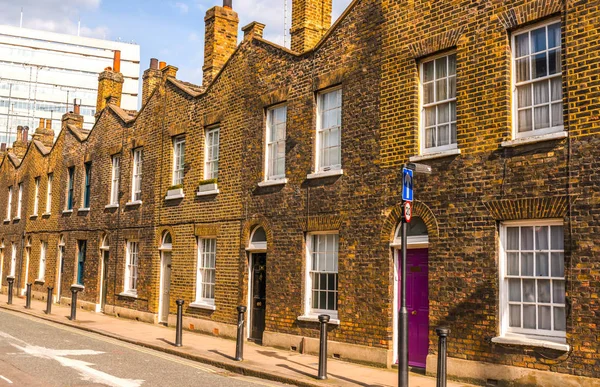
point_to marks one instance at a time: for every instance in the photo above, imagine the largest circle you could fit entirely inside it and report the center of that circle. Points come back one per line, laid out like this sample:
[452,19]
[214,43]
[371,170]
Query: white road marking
[7,379]
[85,369]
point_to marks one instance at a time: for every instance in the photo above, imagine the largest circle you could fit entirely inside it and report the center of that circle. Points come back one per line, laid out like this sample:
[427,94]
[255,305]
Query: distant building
[41,73]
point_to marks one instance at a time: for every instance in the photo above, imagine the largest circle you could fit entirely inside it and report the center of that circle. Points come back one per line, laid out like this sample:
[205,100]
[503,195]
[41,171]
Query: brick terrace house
[276,184]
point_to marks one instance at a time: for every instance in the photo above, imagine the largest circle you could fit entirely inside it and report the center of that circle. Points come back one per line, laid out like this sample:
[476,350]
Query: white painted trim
[207,193]
[202,306]
[319,175]
[435,155]
[534,139]
[318,127]
[133,203]
[269,183]
[84,209]
[315,318]
[174,197]
[250,289]
[529,342]
[128,294]
[111,206]
[161,287]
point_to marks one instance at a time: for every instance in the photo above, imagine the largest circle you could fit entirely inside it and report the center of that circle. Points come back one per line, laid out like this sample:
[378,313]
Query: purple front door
[417,303]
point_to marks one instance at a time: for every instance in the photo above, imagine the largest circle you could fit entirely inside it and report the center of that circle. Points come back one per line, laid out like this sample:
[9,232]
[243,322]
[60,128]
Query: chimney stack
[254,29]
[19,146]
[310,21]
[151,80]
[110,84]
[44,133]
[25,138]
[220,40]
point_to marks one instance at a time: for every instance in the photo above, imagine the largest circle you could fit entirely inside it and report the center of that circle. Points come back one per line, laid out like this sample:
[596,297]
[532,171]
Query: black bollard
[75,288]
[239,347]
[179,328]
[442,355]
[28,297]
[49,301]
[11,281]
[323,319]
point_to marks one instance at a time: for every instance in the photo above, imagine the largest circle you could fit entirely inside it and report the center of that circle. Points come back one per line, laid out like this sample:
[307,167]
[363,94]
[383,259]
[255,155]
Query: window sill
[435,155]
[529,342]
[270,183]
[111,206]
[67,212]
[201,305]
[174,197]
[46,214]
[39,281]
[207,193]
[16,219]
[33,216]
[133,203]
[534,139]
[315,318]
[6,220]
[84,209]
[319,175]
[128,294]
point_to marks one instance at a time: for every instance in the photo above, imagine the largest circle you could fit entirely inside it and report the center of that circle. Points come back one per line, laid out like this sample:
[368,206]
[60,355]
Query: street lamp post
[407,198]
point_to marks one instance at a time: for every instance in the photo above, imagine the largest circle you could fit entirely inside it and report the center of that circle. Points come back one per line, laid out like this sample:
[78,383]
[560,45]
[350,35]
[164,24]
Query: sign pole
[403,313]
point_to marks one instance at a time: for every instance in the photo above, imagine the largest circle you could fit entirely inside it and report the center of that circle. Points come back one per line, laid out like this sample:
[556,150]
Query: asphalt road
[36,353]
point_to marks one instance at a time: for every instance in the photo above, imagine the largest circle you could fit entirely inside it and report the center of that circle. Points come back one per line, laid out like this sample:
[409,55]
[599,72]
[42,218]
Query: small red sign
[407,211]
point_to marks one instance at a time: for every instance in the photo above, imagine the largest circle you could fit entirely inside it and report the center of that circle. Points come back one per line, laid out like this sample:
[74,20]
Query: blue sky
[172,31]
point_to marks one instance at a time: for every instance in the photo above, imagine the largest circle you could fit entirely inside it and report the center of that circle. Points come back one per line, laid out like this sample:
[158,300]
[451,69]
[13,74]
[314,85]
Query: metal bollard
[11,281]
[179,328]
[49,301]
[28,297]
[239,346]
[442,355]
[323,319]
[75,288]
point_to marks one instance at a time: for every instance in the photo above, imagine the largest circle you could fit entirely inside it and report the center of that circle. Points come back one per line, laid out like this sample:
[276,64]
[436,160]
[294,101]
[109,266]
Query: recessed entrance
[105,254]
[417,291]
[165,279]
[257,293]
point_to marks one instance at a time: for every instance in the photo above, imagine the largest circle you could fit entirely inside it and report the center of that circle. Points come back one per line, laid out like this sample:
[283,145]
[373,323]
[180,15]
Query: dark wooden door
[259,296]
[104,278]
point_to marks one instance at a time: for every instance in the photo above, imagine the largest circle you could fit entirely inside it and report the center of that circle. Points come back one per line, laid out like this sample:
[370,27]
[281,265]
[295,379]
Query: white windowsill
[39,281]
[112,206]
[6,220]
[174,197]
[315,318]
[133,203]
[435,155]
[269,183]
[129,294]
[318,175]
[67,212]
[19,218]
[534,139]
[201,305]
[207,193]
[525,341]
[33,216]
[84,209]
[46,214]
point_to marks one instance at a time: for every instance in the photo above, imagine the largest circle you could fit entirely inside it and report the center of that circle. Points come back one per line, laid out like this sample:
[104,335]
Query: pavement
[260,362]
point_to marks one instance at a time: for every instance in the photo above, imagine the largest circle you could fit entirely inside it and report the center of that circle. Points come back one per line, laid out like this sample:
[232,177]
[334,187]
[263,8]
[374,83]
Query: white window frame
[178,160]
[136,175]
[13,259]
[505,329]
[203,267]
[36,197]
[49,193]
[515,106]
[320,130]
[70,189]
[309,311]
[9,203]
[42,268]
[115,177]
[448,101]
[131,268]
[86,183]
[19,201]
[272,145]
[210,149]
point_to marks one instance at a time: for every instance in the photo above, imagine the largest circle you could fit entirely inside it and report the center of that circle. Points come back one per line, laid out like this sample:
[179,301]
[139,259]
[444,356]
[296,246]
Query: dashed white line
[6,379]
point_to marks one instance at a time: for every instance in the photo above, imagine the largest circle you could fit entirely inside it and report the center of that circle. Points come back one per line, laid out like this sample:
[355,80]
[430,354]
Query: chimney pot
[25,138]
[77,106]
[227,4]
[117,61]
[3,147]
[48,124]
[42,121]
[162,65]
[154,64]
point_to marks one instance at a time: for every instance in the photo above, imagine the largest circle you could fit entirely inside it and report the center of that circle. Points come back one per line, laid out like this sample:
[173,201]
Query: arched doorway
[164,302]
[1,262]
[257,279]
[27,258]
[417,290]
[104,256]
[60,267]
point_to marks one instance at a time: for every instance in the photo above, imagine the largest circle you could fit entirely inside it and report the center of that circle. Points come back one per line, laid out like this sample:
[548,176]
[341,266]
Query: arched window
[416,234]
[28,242]
[167,241]
[105,243]
[258,239]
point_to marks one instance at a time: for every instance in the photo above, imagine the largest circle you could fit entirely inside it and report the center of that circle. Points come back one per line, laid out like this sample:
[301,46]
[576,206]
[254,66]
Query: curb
[235,368]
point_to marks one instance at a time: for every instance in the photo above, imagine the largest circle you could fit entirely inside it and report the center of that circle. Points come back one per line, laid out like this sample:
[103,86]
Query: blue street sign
[407,185]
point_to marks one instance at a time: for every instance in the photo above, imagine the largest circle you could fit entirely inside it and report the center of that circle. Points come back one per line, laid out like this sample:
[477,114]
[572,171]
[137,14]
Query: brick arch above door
[420,210]
[252,223]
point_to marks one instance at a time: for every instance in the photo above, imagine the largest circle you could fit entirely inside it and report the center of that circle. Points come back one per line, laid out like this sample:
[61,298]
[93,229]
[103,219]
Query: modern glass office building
[41,73]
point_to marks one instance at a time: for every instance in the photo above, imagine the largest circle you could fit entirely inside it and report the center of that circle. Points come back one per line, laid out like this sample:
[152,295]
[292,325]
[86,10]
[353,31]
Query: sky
[172,31]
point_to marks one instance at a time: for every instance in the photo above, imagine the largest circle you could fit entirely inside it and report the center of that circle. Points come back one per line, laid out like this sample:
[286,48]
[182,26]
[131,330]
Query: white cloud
[182,7]
[53,15]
